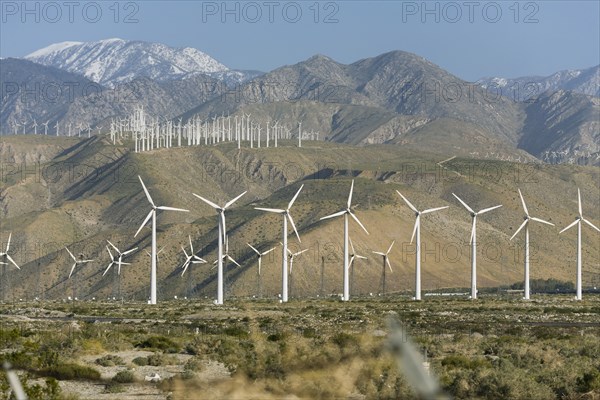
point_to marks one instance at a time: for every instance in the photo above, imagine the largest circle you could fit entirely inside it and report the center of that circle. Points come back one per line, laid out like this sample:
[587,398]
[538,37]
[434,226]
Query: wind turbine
[152,214]
[578,223]
[345,212]
[353,256]
[190,258]
[260,256]
[473,242]
[117,259]
[386,260]
[286,215]
[417,231]
[75,263]
[222,235]
[291,256]
[5,256]
[525,225]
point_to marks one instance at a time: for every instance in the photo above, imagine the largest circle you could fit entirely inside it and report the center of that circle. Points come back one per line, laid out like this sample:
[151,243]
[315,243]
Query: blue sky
[470,39]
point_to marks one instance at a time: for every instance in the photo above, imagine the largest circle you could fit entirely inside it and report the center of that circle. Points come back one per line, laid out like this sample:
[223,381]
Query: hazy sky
[470,39]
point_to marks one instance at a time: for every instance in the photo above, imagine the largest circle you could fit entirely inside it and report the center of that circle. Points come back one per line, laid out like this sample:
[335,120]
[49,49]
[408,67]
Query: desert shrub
[236,331]
[124,377]
[344,340]
[110,360]
[141,361]
[462,362]
[155,360]
[70,371]
[589,381]
[193,364]
[114,387]
[159,343]
[276,337]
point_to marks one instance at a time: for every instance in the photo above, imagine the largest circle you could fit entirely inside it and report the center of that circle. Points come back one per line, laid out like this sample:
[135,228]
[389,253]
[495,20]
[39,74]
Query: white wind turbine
[286,215]
[152,214]
[578,223]
[386,260]
[291,257]
[353,256]
[76,262]
[260,256]
[5,256]
[417,231]
[345,212]
[222,236]
[525,225]
[117,259]
[473,243]
[190,258]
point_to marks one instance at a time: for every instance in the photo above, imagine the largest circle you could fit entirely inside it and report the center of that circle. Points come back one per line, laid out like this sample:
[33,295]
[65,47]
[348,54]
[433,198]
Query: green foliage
[71,371]
[141,361]
[462,362]
[125,376]
[159,343]
[110,360]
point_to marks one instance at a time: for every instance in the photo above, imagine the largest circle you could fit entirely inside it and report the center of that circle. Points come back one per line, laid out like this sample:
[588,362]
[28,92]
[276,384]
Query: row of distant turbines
[58,129]
[349,252]
[151,133]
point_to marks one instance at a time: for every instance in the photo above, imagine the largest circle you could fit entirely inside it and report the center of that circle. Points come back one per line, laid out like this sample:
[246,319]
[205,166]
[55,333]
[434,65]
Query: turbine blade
[579,202]
[273,210]
[570,225]
[523,201]
[200,260]
[172,209]
[361,257]
[390,248]
[253,248]
[113,246]
[590,224]
[232,260]
[184,252]
[351,261]
[352,246]
[294,226]
[268,251]
[8,243]
[12,261]
[464,204]
[518,230]
[71,254]
[378,252]
[434,209]
[145,222]
[230,202]
[107,268]
[408,203]
[222,217]
[185,267]
[294,198]
[146,191]
[210,203]
[130,251]
[350,195]
[542,221]
[387,260]
[415,228]
[72,269]
[259,259]
[358,222]
[473,230]
[300,252]
[191,246]
[489,209]
[337,214]
[109,253]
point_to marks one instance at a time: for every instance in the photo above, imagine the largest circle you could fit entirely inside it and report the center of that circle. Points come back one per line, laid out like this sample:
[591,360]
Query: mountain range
[397,98]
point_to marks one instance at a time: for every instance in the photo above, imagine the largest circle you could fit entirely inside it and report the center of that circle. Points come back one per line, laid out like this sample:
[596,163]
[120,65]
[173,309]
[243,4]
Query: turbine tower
[152,214]
[353,257]
[417,232]
[286,215]
[345,212]
[473,243]
[578,223]
[76,262]
[386,260]
[222,236]
[525,225]
[291,256]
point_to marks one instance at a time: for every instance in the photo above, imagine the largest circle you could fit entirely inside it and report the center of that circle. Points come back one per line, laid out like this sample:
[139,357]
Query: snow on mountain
[585,81]
[114,61]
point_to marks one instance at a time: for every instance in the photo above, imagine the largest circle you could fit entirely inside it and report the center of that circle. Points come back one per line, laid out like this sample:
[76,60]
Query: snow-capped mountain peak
[113,61]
